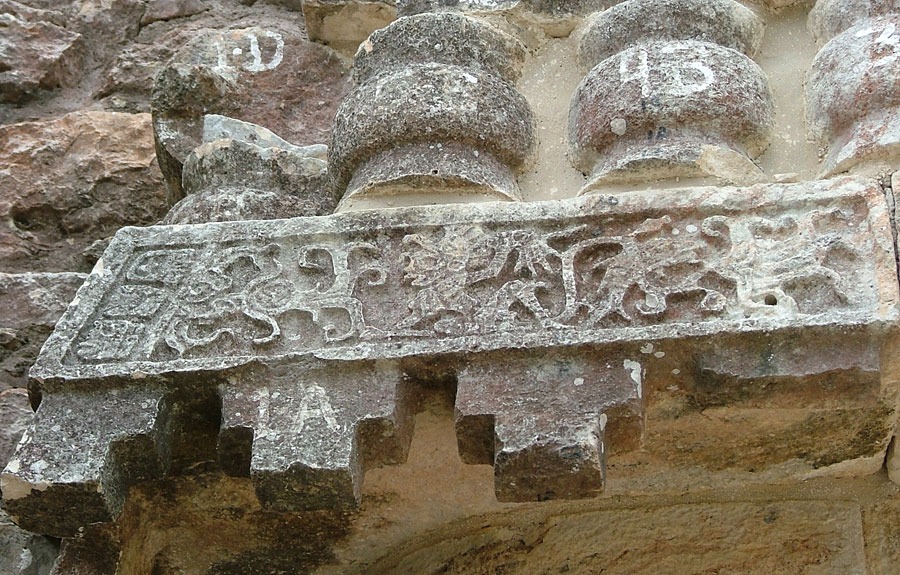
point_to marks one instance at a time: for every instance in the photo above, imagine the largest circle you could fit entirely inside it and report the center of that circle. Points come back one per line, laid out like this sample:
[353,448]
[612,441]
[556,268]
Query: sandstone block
[72,181]
[853,98]
[344,24]
[670,97]
[267,74]
[726,537]
[434,106]
[39,53]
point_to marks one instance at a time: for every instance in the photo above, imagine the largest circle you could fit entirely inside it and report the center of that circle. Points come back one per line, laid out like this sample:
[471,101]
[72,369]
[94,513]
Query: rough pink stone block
[853,96]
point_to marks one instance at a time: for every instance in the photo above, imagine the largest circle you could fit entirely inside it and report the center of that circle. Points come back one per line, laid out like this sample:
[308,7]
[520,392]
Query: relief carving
[304,292]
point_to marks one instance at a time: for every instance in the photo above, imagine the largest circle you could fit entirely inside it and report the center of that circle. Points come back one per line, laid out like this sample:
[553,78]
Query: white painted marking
[636,374]
[257,65]
[315,405]
[640,73]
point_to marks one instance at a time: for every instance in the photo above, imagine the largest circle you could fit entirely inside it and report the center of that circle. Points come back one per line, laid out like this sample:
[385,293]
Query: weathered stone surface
[245,172]
[670,93]
[344,24]
[214,524]
[797,405]
[881,522]
[76,465]
[542,420]
[21,553]
[448,39]
[555,18]
[24,553]
[97,557]
[671,109]
[434,106]
[15,417]
[37,298]
[32,304]
[216,127]
[352,286]
[268,74]
[828,18]
[718,537]
[71,181]
[314,431]
[39,53]
[285,317]
[723,22]
[169,9]
[853,97]
[107,25]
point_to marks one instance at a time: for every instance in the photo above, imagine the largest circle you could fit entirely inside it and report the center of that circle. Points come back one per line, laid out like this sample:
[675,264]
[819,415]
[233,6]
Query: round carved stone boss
[434,108]
[670,108]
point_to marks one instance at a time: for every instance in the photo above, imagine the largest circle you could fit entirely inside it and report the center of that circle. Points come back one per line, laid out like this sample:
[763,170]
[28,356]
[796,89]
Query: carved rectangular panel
[467,278]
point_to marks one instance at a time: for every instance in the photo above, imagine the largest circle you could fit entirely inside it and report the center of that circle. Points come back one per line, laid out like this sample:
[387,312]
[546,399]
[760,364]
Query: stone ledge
[391,283]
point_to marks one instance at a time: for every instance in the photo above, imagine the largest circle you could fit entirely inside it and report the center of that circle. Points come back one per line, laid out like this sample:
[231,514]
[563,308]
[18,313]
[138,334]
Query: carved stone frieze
[442,280]
[301,336]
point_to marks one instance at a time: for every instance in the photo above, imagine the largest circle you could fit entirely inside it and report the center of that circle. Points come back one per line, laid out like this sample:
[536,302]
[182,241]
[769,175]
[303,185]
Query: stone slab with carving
[450,279]
[306,330]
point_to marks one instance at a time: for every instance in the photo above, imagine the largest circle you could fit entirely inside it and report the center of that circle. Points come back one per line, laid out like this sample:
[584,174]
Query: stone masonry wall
[421,286]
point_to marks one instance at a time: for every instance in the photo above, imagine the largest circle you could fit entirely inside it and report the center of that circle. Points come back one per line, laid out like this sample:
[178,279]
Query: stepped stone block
[306,435]
[85,449]
[544,420]
[673,96]
[853,97]
[434,106]
[544,312]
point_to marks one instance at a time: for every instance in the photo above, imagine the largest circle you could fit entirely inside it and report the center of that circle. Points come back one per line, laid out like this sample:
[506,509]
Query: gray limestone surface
[626,24]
